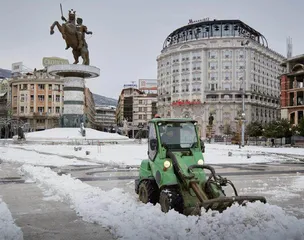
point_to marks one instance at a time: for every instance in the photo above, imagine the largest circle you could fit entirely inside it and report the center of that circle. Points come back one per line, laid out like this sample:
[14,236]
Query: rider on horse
[80,29]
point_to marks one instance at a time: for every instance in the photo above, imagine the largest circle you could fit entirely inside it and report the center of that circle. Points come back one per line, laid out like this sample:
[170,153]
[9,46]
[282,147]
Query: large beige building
[37,99]
[204,67]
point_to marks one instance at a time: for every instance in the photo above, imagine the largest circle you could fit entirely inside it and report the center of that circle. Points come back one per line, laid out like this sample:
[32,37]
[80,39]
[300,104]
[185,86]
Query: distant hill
[5,73]
[102,100]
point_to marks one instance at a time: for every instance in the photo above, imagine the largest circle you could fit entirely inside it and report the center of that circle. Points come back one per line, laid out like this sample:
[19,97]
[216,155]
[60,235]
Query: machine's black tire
[171,198]
[148,192]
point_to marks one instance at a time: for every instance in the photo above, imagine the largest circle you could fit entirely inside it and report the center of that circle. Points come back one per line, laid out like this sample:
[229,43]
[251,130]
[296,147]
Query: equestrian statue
[73,32]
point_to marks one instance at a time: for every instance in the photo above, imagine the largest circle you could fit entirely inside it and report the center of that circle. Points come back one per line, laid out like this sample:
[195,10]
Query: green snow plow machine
[174,173]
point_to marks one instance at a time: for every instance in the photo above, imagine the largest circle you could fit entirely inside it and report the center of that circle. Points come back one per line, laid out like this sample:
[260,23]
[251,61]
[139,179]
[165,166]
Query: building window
[175,59]
[50,87]
[41,98]
[22,109]
[212,65]
[57,109]
[185,67]
[213,76]
[241,54]
[32,98]
[50,98]
[40,86]
[227,65]
[140,109]
[32,86]
[227,54]
[140,101]
[57,98]
[212,86]
[139,117]
[185,57]
[196,66]
[212,54]
[31,109]
[196,87]
[227,75]
[240,65]
[57,87]
[49,110]
[22,98]
[196,76]
[41,109]
[196,55]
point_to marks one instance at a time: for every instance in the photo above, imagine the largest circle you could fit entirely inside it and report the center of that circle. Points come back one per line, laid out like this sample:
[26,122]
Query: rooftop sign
[130,85]
[197,21]
[48,61]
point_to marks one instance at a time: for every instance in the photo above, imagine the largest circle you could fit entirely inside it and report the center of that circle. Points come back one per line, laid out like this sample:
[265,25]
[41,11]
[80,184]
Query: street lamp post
[240,121]
[244,43]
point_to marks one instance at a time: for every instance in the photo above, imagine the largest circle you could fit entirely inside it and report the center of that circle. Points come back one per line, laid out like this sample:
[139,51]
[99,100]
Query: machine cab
[172,134]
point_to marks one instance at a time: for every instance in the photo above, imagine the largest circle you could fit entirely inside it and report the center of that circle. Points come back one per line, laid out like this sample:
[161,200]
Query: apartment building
[37,98]
[292,89]
[105,117]
[136,107]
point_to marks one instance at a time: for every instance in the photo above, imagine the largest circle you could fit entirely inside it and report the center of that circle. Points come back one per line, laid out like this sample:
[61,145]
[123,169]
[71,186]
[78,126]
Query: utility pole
[244,43]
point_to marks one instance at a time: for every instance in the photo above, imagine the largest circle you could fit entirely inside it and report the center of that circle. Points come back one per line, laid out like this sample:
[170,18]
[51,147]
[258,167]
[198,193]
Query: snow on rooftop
[127,218]
[8,229]
[73,134]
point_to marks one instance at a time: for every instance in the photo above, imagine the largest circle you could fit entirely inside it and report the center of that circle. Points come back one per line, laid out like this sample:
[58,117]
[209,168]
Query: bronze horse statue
[72,36]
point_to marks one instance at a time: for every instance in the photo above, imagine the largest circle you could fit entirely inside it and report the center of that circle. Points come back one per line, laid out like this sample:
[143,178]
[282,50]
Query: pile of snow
[9,154]
[73,134]
[8,229]
[127,218]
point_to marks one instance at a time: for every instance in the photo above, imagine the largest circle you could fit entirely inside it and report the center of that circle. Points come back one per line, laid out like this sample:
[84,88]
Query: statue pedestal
[74,85]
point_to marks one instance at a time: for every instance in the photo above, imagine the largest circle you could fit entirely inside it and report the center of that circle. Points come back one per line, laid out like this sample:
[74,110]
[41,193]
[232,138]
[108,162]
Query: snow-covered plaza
[95,186]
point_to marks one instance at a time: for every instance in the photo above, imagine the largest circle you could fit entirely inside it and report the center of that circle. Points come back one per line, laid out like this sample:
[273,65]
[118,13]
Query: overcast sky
[128,34]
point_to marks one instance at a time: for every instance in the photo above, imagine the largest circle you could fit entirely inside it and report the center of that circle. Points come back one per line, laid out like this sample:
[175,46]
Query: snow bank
[10,154]
[127,218]
[8,229]
[73,133]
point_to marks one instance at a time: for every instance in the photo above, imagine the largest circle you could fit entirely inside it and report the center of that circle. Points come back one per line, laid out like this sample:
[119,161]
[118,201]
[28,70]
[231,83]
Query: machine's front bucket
[221,203]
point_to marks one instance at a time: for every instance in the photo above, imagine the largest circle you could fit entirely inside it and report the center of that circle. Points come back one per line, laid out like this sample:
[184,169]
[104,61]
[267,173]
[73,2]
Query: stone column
[74,77]
[73,100]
